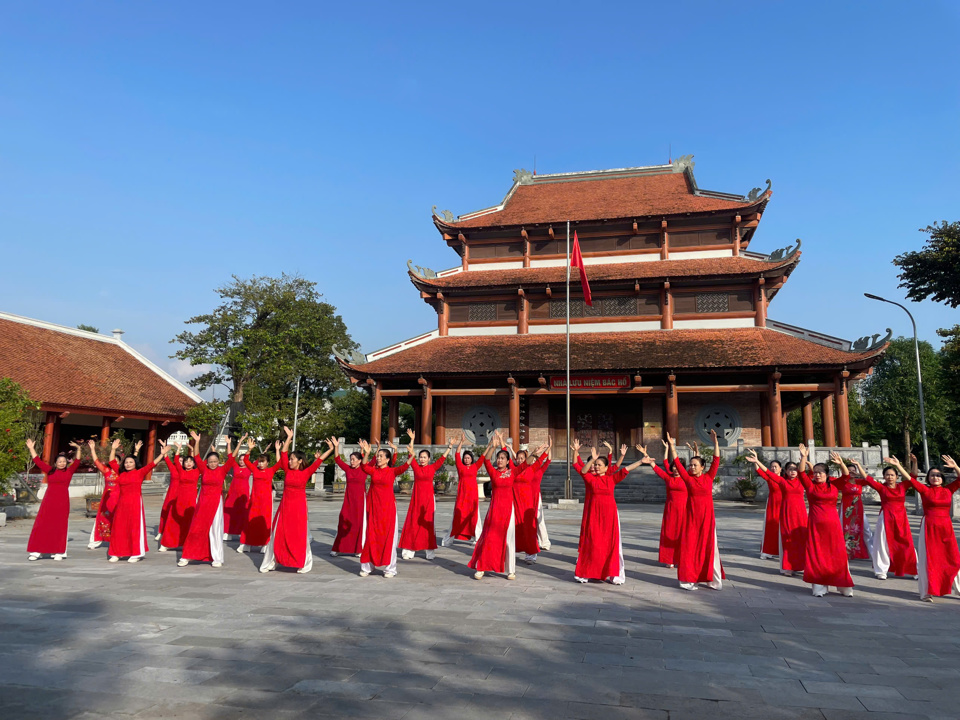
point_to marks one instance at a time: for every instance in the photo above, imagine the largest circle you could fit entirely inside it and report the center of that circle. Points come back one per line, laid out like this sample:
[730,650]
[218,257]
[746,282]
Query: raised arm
[836,459]
[899,467]
[950,463]
[288,439]
[647,460]
[804,463]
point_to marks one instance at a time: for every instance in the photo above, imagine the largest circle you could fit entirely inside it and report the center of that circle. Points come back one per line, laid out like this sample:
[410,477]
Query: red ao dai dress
[183,508]
[891,549]
[236,506]
[526,505]
[290,542]
[938,557]
[419,530]
[601,550]
[671,524]
[380,543]
[466,510]
[770,545]
[351,526]
[699,553]
[825,560]
[49,533]
[256,531]
[204,542]
[128,531]
[856,532]
[496,550]
[108,503]
[543,539]
[793,522]
[169,498]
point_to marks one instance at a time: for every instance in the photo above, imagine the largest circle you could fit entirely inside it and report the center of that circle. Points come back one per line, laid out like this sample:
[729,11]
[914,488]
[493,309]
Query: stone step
[641,485]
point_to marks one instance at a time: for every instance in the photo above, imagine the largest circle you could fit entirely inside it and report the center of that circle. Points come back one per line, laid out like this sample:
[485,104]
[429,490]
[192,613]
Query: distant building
[90,384]
[677,339]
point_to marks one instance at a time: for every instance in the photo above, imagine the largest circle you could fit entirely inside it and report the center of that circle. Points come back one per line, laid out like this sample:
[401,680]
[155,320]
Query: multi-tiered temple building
[678,338]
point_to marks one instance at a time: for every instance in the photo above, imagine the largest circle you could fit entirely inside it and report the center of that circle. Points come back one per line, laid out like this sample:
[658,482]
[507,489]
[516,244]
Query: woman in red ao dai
[257,528]
[382,529]
[49,533]
[419,531]
[352,523]
[466,524]
[496,550]
[204,542]
[674,509]
[128,530]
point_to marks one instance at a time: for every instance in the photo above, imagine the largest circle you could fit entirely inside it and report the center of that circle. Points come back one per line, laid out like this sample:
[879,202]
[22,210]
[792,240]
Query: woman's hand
[804,451]
[193,433]
[288,432]
[950,463]
[411,434]
[115,444]
[751,457]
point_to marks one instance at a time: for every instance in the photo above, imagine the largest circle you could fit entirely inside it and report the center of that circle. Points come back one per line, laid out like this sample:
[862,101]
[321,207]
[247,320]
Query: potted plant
[748,487]
[93,504]
[405,482]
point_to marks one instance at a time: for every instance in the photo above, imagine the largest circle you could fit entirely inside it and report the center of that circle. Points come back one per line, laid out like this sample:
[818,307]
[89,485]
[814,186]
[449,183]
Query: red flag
[576,260]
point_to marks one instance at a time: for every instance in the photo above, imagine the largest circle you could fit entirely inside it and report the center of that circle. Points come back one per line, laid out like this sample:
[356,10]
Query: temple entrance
[593,420]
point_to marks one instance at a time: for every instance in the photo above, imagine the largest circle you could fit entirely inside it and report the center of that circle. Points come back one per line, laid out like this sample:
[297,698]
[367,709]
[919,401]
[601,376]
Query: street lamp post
[916,349]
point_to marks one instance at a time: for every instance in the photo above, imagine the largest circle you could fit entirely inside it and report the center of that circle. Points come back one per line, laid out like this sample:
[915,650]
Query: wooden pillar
[426,412]
[376,412]
[736,236]
[393,417]
[466,254]
[514,414]
[673,410]
[151,444]
[761,300]
[666,307]
[806,412]
[523,316]
[664,241]
[765,439]
[49,436]
[443,315]
[786,434]
[105,430]
[843,410]
[526,248]
[778,437]
[440,434]
[829,430]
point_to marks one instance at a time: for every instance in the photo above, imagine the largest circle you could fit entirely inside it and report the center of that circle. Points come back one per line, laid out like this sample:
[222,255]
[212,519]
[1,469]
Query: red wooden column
[49,436]
[440,431]
[786,435]
[761,300]
[806,412]
[514,414]
[105,430]
[778,436]
[443,315]
[376,412]
[673,409]
[843,410]
[393,417]
[829,430]
[151,443]
[523,316]
[765,439]
[426,412]
[736,236]
[666,307]
[664,241]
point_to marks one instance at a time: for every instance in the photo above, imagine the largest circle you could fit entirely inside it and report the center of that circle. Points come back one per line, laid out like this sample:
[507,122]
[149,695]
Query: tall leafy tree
[933,271]
[891,400]
[17,423]
[267,336]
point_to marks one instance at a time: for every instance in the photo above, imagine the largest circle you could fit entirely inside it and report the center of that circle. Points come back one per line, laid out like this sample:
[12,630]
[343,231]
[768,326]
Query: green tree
[933,271]
[17,423]
[88,328]
[268,336]
[891,402]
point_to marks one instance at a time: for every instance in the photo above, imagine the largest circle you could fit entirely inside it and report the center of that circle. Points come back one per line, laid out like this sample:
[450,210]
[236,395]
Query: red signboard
[590,382]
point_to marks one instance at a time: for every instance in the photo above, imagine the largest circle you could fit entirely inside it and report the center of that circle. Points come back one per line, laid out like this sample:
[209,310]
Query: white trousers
[390,569]
[543,539]
[879,550]
[717,582]
[269,561]
[216,535]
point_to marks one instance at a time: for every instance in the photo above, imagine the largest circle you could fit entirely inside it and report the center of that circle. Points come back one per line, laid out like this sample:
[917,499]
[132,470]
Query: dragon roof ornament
[445,215]
[683,163]
[784,253]
[350,357]
[523,177]
[423,272]
[868,343]
[756,192]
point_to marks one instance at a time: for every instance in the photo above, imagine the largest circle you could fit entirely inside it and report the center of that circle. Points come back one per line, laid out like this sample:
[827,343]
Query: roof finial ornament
[757,192]
[683,163]
[869,343]
[783,253]
[423,272]
[523,177]
[350,357]
[446,215]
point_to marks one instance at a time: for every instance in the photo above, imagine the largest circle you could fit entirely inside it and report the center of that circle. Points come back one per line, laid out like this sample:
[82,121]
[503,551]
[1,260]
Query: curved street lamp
[916,349]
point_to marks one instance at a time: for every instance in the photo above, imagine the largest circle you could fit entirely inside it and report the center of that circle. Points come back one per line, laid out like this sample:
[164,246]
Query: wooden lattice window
[713,302]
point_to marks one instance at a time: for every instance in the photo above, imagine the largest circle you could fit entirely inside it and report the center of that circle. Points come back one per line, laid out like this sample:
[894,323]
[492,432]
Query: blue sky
[151,150]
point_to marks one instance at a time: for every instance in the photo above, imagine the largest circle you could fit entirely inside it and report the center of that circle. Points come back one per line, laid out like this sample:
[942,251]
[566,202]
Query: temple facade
[677,339]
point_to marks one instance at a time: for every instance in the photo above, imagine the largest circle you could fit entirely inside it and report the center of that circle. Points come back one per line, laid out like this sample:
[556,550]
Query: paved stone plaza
[83,638]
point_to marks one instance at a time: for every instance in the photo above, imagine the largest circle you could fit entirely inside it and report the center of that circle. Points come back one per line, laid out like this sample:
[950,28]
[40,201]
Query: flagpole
[568,487]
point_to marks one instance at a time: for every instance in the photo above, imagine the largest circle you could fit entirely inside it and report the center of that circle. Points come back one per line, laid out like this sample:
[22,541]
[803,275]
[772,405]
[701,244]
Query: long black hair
[301,457]
[357,455]
[123,462]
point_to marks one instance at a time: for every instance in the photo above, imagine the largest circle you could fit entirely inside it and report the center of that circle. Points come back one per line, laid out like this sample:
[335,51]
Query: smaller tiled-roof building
[678,337]
[89,384]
